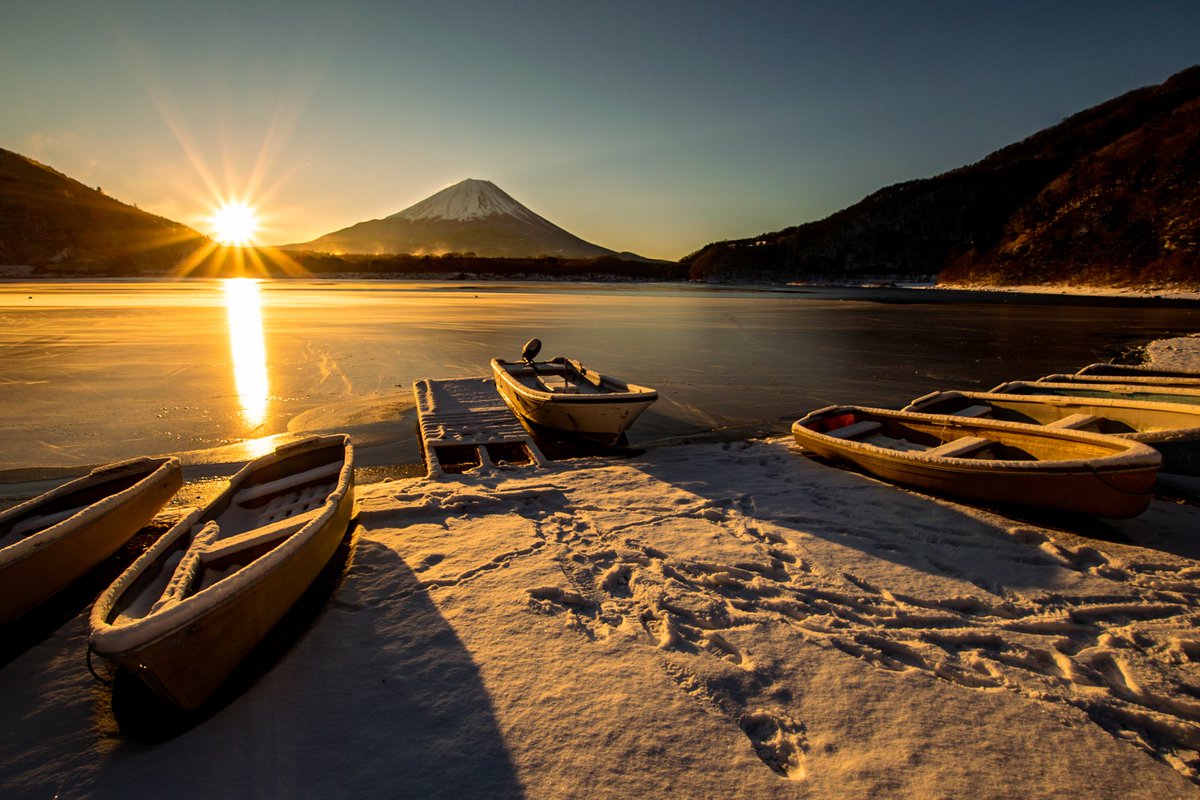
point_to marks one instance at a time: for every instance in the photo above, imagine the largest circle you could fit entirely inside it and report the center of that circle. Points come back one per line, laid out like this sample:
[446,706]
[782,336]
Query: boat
[194,605]
[1173,429]
[563,396]
[988,460]
[1129,380]
[1128,391]
[1132,370]
[49,541]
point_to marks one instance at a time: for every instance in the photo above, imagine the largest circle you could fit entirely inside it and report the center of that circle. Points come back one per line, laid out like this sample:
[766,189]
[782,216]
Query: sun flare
[234,224]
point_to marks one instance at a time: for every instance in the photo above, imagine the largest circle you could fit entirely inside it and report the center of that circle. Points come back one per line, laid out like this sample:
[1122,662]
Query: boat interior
[45,515]
[937,439]
[1081,416]
[561,376]
[270,505]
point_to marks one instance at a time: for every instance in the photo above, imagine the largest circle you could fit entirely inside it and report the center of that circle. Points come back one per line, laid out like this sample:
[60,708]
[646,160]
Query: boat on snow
[563,396]
[988,460]
[1146,393]
[49,541]
[190,609]
[1173,429]
[1191,381]
[1130,370]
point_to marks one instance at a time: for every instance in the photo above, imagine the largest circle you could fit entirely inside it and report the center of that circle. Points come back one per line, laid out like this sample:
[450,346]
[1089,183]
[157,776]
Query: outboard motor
[531,349]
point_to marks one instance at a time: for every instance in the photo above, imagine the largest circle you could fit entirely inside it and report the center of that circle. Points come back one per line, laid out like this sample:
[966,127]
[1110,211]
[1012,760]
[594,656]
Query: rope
[106,681]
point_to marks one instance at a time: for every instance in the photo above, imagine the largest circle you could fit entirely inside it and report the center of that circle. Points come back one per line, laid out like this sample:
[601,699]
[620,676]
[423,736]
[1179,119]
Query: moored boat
[565,397]
[1129,391]
[196,603]
[988,460]
[52,539]
[1173,429]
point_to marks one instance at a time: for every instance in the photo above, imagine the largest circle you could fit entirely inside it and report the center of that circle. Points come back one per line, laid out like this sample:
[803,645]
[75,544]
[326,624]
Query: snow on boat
[988,460]
[1169,381]
[50,540]
[1128,391]
[195,604]
[1136,370]
[564,396]
[1173,429]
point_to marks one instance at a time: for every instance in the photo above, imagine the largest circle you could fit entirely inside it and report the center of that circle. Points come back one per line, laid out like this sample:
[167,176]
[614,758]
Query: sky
[653,127]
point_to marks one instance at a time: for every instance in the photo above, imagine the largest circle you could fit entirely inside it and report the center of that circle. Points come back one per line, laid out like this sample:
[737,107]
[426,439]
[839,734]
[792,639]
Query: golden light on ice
[234,224]
[244,307]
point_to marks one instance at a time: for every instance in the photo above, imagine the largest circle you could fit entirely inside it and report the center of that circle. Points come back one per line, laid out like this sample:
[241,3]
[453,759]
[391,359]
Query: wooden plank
[464,422]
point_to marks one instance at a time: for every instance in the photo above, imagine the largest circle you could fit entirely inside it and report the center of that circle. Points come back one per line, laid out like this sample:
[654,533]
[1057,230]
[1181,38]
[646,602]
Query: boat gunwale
[1160,435]
[1115,388]
[1124,455]
[31,545]
[119,640]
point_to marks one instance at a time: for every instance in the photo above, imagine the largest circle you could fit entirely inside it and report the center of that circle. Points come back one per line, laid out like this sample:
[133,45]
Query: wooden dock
[466,426]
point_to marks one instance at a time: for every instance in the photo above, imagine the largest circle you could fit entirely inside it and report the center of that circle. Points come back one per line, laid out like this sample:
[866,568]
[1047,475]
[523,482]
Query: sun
[234,224]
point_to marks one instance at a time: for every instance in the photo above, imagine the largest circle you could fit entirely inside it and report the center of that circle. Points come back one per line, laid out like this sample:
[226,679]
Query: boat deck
[465,425]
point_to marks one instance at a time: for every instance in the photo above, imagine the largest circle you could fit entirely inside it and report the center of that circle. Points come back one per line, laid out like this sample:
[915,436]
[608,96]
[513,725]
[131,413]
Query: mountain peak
[471,199]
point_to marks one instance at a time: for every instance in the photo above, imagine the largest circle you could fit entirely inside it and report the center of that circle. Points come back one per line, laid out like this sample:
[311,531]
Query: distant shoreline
[23,274]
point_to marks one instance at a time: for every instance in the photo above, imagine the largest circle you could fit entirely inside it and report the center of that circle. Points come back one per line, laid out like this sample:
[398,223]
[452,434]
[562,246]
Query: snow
[702,621]
[467,200]
[1181,353]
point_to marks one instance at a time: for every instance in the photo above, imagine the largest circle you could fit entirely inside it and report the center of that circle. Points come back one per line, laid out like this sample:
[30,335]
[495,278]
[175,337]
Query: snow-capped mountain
[472,216]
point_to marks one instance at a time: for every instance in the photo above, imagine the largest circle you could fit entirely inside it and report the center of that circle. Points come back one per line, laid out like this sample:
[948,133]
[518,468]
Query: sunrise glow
[244,306]
[234,224]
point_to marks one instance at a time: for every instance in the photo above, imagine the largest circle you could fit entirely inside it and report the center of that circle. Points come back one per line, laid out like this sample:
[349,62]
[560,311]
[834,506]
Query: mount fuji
[472,216]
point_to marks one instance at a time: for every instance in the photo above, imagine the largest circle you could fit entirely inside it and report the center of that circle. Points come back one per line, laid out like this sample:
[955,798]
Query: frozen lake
[215,370]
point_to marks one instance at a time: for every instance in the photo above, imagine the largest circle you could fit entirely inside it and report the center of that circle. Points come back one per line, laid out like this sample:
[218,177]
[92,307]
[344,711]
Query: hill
[1108,197]
[472,217]
[52,222]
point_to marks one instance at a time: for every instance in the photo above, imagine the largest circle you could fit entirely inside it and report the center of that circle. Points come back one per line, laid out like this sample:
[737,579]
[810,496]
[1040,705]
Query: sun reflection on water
[244,306]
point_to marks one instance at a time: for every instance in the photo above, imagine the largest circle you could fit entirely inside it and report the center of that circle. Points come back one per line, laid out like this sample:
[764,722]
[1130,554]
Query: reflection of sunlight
[244,305]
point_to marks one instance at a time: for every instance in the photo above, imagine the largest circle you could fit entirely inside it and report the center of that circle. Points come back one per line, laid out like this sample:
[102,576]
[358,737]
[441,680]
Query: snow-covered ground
[1166,292]
[702,621]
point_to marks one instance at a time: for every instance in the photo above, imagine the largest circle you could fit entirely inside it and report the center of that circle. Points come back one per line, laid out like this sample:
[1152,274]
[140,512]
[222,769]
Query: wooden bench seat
[960,448]
[1076,422]
[973,411]
[855,430]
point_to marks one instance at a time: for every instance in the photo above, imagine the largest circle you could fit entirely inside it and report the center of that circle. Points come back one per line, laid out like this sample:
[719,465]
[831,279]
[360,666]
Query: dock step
[465,425]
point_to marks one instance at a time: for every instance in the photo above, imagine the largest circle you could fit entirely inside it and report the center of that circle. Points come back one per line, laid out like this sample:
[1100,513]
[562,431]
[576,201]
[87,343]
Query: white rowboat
[187,612]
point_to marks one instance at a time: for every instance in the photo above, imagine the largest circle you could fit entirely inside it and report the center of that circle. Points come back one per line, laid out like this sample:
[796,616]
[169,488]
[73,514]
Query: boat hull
[1147,393]
[185,659]
[38,567]
[600,418]
[1173,429]
[1111,487]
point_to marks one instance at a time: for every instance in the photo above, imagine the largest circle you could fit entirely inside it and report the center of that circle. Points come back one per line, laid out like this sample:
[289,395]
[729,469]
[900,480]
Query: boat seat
[960,448]
[855,430]
[973,411]
[1076,421]
[262,490]
[222,549]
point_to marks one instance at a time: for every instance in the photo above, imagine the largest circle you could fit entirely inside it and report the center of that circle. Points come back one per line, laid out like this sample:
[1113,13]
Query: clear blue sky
[655,127]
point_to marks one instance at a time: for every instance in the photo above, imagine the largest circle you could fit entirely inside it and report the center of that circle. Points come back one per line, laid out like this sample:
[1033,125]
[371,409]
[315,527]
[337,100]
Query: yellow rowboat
[1131,370]
[186,613]
[1173,429]
[988,460]
[1143,392]
[51,540]
[565,397]
[1165,381]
